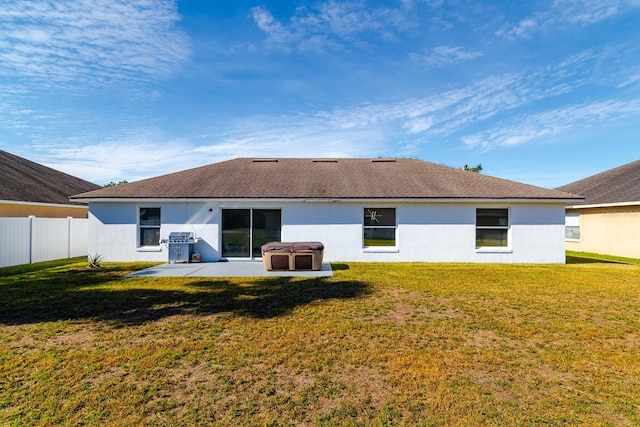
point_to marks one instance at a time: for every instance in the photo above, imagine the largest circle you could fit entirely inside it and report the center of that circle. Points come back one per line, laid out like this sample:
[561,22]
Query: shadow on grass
[74,295]
[586,260]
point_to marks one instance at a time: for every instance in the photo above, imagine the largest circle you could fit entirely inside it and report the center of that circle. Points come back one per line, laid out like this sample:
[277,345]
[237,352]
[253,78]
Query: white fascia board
[327,200]
[55,205]
[605,205]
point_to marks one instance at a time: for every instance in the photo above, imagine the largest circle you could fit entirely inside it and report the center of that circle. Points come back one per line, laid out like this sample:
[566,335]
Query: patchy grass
[377,344]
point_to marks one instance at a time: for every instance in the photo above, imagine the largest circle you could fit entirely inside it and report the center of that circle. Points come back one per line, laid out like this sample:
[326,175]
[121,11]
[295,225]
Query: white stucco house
[360,209]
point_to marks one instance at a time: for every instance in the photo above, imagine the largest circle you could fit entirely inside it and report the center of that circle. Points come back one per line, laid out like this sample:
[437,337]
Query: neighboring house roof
[618,185]
[326,179]
[26,181]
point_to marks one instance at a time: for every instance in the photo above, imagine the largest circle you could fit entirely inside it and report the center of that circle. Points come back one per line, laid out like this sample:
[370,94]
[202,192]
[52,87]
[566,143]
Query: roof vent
[265,160]
[324,160]
[383,160]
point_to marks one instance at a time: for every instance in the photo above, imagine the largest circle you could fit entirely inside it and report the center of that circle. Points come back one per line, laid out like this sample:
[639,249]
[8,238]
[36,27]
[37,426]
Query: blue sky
[542,92]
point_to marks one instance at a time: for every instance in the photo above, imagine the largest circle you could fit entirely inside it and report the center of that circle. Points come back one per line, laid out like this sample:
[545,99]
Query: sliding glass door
[265,228]
[244,231]
[236,233]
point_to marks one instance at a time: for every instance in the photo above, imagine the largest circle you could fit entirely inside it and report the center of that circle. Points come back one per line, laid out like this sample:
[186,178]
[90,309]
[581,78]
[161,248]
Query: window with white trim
[572,226]
[149,227]
[492,228]
[379,227]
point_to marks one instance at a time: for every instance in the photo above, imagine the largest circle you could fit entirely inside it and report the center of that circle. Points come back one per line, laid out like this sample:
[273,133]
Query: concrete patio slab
[227,269]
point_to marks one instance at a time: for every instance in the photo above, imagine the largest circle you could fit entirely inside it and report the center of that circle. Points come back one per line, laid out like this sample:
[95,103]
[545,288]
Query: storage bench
[292,255]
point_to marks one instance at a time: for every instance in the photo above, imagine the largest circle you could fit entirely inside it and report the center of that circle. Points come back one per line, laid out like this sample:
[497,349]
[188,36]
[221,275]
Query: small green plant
[95,260]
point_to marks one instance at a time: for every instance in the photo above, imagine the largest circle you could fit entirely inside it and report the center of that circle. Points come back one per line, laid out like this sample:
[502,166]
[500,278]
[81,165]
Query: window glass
[379,227]
[572,232]
[244,231]
[489,237]
[236,232]
[149,216]
[149,236]
[572,226]
[379,237]
[376,217]
[492,227]
[149,227]
[267,226]
[492,217]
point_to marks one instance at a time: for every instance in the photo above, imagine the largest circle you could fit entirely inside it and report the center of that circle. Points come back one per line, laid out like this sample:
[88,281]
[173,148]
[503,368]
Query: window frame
[575,224]
[367,211]
[506,228]
[142,226]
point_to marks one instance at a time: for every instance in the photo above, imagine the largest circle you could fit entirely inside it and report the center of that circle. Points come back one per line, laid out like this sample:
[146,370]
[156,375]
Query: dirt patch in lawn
[400,306]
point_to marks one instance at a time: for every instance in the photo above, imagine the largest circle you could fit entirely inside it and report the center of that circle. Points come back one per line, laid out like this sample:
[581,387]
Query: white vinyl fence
[29,240]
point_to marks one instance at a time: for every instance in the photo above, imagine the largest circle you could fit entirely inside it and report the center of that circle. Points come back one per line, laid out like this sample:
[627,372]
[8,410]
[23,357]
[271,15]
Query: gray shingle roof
[617,185]
[26,181]
[325,178]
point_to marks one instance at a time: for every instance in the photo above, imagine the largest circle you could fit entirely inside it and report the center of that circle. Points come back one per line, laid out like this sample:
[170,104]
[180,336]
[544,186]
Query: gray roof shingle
[617,185]
[26,181]
[326,178]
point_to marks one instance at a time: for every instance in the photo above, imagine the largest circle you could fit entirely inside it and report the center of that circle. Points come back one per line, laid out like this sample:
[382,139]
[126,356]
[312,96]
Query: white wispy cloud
[131,156]
[332,25]
[139,147]
[399,129]
[274,30]
[446,112]
[91,42]
[530,128]
[302,135]
[142,153]
[445,55]
[404,127]
[563,13]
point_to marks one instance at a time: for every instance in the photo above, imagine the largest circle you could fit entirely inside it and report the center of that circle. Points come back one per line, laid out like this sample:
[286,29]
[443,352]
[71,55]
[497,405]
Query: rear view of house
[608,220]
[360,209]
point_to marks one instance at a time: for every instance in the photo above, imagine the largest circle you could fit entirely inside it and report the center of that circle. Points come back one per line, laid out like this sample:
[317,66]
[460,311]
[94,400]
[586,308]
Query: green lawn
[377,344]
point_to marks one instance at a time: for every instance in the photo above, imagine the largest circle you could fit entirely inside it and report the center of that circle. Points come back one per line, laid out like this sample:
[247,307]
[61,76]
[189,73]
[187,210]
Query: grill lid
[180,235]
[176,237]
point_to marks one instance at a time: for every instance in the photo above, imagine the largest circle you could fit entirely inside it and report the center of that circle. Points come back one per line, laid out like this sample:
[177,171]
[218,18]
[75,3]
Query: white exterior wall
[434,232]
[114,234]
[430,232]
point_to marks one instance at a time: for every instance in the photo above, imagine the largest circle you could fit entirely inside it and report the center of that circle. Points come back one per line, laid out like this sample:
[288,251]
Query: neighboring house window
[149,226]
[492,227]
[572,226]
[379,227]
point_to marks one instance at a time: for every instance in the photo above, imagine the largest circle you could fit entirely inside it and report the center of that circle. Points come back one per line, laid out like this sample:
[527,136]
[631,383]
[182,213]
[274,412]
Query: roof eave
[605,205]
[563,201]
[46,204]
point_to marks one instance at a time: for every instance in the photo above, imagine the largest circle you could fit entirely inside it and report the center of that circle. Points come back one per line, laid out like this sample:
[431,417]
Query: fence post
[31,218]
[69,236]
